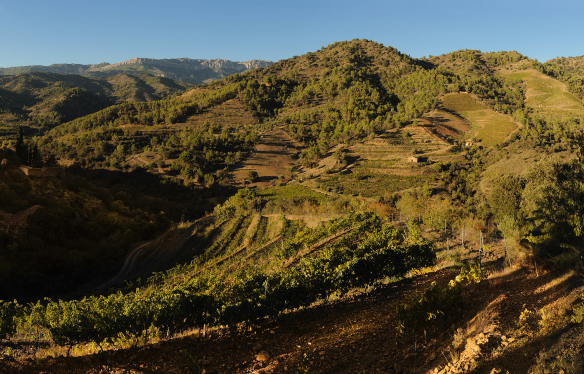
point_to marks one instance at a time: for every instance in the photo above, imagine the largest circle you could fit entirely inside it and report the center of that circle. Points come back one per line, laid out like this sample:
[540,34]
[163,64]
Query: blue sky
[34,32]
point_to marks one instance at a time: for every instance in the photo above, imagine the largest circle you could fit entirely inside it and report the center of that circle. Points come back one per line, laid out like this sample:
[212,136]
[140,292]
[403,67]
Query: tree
[553,202]
[20,148]
[252,175]
[505,197]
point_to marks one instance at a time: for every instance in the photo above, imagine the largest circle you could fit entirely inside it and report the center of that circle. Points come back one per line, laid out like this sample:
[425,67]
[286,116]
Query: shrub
[252,175]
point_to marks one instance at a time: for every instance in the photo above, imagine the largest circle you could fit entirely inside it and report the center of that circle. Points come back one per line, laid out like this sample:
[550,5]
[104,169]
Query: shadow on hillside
[521,358]
[63,268]
[157,186]
[440,120]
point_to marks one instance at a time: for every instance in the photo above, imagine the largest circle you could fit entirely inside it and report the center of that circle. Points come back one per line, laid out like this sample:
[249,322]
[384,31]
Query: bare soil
[445,124]
[273,156]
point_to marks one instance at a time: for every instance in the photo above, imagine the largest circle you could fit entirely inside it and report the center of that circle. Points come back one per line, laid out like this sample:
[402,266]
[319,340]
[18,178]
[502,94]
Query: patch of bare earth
[272,157]
[445,125]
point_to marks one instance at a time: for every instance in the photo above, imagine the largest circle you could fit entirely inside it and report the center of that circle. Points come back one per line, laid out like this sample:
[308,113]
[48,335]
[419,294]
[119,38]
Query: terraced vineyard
[544,91]
[385,164]
[245,268]
[546,95]
[491,127]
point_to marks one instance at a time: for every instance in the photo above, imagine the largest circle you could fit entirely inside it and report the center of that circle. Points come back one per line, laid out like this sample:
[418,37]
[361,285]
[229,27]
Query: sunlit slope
[491,127]
[546,94]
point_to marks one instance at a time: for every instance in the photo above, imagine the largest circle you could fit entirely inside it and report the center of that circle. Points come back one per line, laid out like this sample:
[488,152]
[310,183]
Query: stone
[262,356]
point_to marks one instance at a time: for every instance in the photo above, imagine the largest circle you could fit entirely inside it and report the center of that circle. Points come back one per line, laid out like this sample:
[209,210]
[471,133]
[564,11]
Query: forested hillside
[41,101]
[569,70]
[444,191]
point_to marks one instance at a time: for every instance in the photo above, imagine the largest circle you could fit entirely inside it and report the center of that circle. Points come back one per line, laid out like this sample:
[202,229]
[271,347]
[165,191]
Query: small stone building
[42,172]
[417,160]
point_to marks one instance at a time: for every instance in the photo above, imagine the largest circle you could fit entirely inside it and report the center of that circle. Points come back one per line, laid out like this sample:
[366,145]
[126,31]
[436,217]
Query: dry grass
[556,314]
[495,274]
[471,342]
[555,282]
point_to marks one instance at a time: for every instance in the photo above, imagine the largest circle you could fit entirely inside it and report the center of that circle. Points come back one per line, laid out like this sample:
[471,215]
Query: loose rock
[263,356]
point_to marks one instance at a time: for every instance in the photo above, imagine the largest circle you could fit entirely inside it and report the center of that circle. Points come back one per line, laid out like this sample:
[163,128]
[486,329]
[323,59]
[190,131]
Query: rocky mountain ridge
[196,64]
[194,71]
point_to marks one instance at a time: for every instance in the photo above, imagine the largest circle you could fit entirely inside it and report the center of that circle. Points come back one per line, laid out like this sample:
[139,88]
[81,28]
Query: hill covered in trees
[305,183]
[41,101]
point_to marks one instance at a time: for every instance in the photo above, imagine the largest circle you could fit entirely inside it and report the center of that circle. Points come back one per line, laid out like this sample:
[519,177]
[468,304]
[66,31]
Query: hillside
[41,101]
[324,101]
[182,69]
[351,209]
[253,263]
[569,70]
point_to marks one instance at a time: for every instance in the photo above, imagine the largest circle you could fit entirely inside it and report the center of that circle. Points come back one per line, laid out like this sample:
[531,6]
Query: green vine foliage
[219,298]
[435,301]
[473,273]
[9,316]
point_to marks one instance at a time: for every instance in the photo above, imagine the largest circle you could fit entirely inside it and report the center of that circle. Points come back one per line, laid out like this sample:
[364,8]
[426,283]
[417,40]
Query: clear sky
[44,32]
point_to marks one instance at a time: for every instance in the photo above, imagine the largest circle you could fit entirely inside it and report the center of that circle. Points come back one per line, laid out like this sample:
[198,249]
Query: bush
[435,301]
[252,175]
[9,314]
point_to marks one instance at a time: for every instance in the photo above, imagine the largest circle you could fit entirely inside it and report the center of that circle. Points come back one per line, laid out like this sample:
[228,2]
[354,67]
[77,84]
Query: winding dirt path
[128,265]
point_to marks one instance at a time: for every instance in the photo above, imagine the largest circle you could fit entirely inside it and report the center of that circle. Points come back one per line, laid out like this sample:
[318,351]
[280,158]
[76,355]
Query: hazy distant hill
[184,69]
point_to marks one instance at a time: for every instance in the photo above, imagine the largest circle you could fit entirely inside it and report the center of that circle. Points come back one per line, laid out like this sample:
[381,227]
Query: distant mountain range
[183,69]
